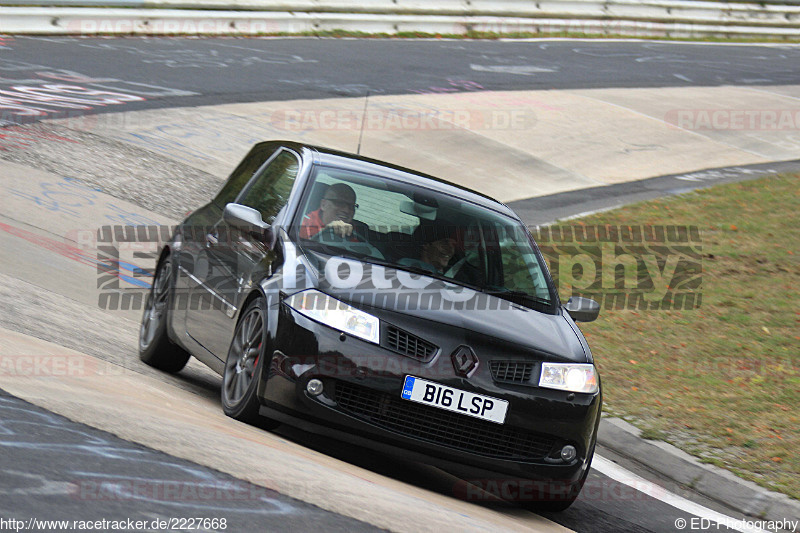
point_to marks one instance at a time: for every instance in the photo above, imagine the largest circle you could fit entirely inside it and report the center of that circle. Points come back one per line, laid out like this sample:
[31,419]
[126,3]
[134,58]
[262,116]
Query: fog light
[314,388]
[568,453]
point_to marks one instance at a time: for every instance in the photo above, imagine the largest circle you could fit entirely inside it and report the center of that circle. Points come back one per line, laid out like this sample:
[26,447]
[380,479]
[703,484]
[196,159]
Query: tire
[246,357]
[562,504]
[556,506]
[155,347]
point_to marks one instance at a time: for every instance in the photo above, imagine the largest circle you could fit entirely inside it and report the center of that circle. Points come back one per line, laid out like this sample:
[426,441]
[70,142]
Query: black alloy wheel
[155,347]
[243,365]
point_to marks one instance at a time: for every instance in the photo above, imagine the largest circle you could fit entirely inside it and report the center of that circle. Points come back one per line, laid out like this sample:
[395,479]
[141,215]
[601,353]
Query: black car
[385,307]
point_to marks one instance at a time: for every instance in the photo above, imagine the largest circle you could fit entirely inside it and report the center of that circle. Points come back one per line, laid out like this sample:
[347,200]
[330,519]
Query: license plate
[455,400]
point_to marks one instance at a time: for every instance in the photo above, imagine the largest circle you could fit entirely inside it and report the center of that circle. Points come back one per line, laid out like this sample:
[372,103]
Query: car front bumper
[361,403]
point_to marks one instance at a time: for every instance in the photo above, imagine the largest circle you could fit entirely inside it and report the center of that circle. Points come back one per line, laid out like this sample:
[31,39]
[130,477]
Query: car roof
[349,161]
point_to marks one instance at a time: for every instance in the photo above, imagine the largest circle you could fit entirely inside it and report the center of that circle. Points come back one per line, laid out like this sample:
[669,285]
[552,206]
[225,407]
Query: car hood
[368,286]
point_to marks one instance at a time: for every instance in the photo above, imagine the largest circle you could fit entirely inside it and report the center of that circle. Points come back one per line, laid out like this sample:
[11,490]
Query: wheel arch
[165,251]
[270,325]
[252,409]
[254,294]
[172,330]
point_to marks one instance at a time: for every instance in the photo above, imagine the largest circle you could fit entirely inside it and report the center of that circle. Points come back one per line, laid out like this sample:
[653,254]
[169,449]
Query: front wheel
[561,502]
[155,347]
[243,365]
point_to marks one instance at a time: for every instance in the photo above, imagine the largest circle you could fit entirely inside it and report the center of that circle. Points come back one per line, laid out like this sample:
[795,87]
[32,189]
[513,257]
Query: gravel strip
[119,169]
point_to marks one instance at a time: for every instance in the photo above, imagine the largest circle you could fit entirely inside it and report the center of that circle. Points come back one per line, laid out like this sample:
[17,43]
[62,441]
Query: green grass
[722,381]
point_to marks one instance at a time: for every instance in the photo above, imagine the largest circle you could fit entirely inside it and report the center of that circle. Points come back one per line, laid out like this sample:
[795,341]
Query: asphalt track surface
[75,471]
[213,71]
[217,71]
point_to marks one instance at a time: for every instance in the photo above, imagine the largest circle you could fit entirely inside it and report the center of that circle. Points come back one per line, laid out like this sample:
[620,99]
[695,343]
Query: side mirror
[249,220]
[582,309]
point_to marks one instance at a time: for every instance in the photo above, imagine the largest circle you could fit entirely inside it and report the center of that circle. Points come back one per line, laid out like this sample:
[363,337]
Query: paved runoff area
[509,145]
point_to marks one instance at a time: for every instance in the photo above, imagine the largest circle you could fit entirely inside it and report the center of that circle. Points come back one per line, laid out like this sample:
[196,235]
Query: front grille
[512,371]
[435,425]
[409,345]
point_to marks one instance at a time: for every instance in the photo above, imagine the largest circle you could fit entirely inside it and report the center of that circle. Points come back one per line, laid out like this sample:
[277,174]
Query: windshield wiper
[515,295]
[422,271]
[413,269]
[331,249]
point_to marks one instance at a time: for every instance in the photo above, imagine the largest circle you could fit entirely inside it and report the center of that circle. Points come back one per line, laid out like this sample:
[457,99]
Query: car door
[235,259]
[194,262]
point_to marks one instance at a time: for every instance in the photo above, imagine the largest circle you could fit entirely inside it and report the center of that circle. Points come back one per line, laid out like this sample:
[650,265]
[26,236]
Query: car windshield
[389,222]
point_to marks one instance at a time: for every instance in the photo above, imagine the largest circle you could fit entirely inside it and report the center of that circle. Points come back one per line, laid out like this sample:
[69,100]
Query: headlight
[569,377]
[336,314]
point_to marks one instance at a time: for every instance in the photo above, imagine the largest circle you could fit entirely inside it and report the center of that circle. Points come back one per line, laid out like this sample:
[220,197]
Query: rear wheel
[245,359]
[155,347]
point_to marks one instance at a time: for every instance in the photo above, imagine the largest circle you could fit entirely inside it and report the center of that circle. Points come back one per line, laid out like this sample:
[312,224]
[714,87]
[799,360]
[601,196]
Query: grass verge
[722,381]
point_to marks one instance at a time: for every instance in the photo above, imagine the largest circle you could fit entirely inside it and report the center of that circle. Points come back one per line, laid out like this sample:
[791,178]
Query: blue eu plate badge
[408,387]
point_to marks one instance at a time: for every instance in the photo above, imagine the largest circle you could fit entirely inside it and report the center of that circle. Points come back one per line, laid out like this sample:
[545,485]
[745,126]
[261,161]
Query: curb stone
[559,208]
[709,480]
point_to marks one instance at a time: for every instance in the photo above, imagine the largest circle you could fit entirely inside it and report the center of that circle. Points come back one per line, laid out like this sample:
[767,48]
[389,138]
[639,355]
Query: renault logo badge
[464,361]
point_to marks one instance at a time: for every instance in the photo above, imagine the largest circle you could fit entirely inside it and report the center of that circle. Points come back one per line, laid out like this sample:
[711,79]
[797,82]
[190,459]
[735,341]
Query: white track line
[617,473]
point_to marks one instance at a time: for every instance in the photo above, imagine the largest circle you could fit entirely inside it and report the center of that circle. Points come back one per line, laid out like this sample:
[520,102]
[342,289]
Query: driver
[336,210]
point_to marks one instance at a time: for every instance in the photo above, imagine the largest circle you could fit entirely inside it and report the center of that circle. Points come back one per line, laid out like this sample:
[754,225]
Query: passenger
[437,247]
[336,211]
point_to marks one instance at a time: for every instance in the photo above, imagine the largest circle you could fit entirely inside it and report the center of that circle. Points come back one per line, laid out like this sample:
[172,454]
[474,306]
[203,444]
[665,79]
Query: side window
[242,174]
[270,191]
